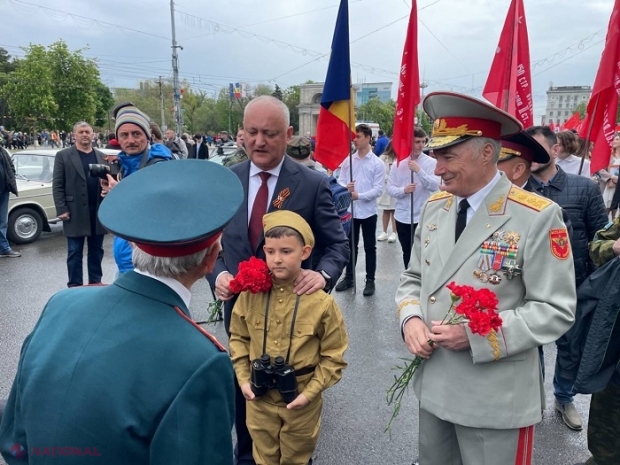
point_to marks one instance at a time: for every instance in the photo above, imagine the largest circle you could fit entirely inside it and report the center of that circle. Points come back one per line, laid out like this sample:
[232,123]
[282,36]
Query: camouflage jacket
[601,248]
[237,156]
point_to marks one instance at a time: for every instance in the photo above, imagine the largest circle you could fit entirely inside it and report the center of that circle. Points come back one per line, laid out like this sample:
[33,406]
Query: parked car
[33,210]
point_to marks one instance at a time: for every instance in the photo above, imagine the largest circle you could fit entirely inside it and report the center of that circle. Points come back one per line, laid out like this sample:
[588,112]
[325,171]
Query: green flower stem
[215,308]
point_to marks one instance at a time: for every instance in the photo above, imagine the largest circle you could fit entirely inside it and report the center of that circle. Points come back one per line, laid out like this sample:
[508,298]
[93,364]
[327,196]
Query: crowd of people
[480,202]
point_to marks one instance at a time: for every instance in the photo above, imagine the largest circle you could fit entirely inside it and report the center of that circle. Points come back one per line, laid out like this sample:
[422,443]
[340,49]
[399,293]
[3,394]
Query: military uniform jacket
[319,337]
[497,383]
[119,371]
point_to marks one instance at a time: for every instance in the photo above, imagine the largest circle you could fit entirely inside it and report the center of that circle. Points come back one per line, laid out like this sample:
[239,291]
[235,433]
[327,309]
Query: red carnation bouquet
[476,308]
[253,276]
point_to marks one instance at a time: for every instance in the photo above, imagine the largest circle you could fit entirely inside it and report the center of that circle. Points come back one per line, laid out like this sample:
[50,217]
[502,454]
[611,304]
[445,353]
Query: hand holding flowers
[476,308]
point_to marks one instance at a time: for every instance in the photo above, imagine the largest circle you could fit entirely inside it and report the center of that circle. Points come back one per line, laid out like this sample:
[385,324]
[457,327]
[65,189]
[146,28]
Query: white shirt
[368,173]
[255,182]
[475,200]
[173,284]
[572,163]
[426,184]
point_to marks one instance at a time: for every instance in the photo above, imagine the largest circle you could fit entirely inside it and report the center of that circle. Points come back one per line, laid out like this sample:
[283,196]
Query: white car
[33,210]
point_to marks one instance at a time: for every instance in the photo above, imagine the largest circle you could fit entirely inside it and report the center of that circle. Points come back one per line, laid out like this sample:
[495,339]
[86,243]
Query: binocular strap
[290,339]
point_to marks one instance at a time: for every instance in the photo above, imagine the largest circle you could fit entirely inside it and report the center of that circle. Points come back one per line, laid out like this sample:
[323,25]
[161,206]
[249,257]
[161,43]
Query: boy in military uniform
[308,330]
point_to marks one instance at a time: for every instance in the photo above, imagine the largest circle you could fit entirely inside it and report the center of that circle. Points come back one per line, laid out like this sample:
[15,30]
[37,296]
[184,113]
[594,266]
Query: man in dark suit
[199,150]
[77,197]
[89,380]
[273,181]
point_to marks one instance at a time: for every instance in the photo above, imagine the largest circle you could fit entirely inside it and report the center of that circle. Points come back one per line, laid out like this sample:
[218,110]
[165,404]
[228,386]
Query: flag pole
[411,227]
[586,144]
[352,180]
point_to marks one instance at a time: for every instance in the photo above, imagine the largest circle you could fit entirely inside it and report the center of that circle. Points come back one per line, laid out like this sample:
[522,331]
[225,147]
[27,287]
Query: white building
[563,101]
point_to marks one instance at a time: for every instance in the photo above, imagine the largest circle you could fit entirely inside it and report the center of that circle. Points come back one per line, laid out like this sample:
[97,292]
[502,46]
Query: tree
[262,89]
[55,87]
[581,108]
[104,102]
[291,97]
[277,93]
[379,112]
[29,92]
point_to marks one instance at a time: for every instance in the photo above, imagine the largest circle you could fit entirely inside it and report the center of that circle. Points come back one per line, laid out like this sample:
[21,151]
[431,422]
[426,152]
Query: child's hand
[300,402]
[246,390]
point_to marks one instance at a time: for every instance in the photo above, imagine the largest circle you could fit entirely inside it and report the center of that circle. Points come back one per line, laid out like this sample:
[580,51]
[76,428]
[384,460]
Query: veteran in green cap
[480,396]
[121,372]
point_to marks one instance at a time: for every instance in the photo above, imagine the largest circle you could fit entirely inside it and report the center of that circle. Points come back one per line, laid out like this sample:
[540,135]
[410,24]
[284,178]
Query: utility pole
[178,116]
[161,105]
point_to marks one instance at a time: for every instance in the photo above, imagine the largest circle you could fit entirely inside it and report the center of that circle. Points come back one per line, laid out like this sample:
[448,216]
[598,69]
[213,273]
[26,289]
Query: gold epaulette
[529,199]
[439,195]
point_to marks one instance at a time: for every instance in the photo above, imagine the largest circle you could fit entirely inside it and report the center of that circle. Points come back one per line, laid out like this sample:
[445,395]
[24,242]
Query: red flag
[509,85]
[602,111]
[552,126]
[572,122]
[408,90]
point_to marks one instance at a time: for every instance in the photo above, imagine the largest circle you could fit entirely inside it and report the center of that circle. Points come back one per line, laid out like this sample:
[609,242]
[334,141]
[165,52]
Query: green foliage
[277,93]
[291,97]
[54,87]
[378,112]
[581,108]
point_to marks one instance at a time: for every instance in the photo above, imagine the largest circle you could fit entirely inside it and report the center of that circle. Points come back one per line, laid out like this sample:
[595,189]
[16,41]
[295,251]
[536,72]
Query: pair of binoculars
[280,376]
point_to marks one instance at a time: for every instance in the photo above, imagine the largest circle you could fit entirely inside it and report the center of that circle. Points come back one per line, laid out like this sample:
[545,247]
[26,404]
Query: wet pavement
[355,412]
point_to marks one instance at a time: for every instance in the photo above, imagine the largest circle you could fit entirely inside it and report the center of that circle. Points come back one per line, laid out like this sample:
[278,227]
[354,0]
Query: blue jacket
[381,144]
[130,164]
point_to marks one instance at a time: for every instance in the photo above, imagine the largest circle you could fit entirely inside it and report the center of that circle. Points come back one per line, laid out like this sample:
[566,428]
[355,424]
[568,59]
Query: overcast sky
[287,41]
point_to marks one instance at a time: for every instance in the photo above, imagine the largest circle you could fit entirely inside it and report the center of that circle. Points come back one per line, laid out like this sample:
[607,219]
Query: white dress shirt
[475,200]
[368,173]
[255,182]
[572,163]
[173,284]
[426,184]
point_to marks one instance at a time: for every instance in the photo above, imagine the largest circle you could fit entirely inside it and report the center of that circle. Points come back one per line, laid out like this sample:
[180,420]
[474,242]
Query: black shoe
[10,254]
[344,284]
[369,288]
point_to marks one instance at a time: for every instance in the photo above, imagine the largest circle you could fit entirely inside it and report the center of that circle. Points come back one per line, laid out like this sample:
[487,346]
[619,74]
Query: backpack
[342,200]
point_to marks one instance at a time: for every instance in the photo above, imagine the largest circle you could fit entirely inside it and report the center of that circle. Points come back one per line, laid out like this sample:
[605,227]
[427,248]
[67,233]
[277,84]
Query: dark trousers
[369,230]
[405,236]
[604,424]
[75,250]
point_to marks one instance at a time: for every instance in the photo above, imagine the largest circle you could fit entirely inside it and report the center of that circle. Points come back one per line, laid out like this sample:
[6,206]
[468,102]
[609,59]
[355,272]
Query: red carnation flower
[253,276]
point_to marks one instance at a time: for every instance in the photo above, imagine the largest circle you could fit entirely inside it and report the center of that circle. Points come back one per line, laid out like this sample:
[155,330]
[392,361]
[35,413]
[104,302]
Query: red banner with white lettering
[408,90]
[602,112]
[509,85]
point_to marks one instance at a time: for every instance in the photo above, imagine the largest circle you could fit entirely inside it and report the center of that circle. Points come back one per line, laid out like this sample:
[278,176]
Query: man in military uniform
[122,372]
[480,396]
[238,155]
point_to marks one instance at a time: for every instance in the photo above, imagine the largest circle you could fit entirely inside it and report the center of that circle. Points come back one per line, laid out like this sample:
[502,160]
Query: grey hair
[79,124]
[270,99]
[167,267]
[478,143]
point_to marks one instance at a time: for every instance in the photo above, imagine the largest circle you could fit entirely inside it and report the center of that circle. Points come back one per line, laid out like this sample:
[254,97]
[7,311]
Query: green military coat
[498,382]
[117,375]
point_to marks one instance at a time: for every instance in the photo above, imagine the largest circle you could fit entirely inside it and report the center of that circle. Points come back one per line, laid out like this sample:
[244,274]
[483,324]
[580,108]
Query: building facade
[368,90]
[562,102]
[310,101]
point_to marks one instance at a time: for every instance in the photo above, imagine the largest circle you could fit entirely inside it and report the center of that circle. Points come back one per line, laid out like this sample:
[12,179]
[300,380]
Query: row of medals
[498,254]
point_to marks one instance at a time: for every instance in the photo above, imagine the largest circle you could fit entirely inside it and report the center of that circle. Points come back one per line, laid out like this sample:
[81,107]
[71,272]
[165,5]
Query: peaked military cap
[524,146]
[173,209]
[459,117]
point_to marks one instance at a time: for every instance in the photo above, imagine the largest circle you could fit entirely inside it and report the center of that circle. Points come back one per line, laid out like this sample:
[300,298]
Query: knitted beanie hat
[131,114]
